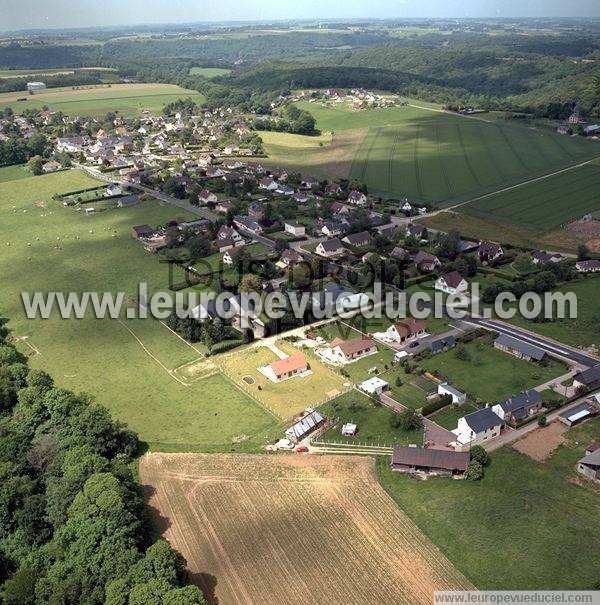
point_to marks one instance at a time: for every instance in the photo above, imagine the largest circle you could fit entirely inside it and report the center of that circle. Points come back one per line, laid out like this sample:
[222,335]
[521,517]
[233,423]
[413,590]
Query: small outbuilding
[431,461]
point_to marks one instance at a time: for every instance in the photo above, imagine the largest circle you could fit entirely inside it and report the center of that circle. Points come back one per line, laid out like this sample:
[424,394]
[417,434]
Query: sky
[31,14]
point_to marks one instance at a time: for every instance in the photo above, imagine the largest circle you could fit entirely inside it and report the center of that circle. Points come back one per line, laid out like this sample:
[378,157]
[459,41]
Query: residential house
[295,229]
[458,398]
[426,262]
[289,258]
[333,229]
[330,248]
[223,207]
[489,251]
[227,243]
[227,258]
[406,207]
[288,367]
[214,172]
[51,166]
[227,232]
[389,231]
[267,183]
[542,258]
[256,211]
[338,297]
[357,198]
[399,253]
[519,349]
[588,379]
[207,197]
[346,351]
[520,407]
[478,427]
[309,182]
[333,189]
[339,208]
[405,330]
[439,345]
[247,224]
[452,283]
[417,232]
[142,231]
[429,461]
[588,266]
[358,240]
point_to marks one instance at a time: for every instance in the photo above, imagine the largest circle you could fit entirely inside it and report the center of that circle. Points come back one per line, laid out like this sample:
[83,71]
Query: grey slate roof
[483,420]
[524,400]
[523,347]
[441,344]
[589,376]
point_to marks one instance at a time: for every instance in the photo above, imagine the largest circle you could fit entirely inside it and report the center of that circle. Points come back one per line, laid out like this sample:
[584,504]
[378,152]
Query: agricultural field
[488,374]
[47,247]
[546,204]
[288,397]
[374,422]
[209,72]
[13,173]
[528,524]
[21,73]
[442,158]
[126,99]
[264,529]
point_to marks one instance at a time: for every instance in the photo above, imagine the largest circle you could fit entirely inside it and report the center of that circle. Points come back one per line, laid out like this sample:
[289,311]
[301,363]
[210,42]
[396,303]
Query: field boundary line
[516,186]
[158,361]
[450,113]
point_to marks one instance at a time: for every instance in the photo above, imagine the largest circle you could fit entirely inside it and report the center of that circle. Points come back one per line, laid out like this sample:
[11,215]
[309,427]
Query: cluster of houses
[355,98]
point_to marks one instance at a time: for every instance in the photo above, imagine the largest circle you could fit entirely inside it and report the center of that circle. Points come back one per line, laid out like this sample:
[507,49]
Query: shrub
[398,381]
[437,404]
[478,454]
[542,420]
[474,471]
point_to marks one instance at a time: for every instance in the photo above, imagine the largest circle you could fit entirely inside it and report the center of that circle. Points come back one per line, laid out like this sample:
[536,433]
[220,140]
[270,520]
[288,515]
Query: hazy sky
[21,14]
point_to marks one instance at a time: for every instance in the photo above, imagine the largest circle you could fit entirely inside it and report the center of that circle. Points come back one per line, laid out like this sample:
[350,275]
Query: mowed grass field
[126,365]
[442,158]
[126,99]
[544,204]
[209,72]
[528,525]
[265,529]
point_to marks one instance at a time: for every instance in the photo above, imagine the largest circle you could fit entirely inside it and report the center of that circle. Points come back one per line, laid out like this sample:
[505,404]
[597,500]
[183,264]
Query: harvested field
[265,529]
[539,444]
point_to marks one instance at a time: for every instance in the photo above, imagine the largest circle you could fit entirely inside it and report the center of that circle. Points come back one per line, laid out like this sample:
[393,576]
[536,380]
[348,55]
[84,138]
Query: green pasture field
[373,422]
[126,99]
[209,72]
[442,158]
[21,73]
[13,173]
[528,524]
[544,204]
[125,365]
[490,374]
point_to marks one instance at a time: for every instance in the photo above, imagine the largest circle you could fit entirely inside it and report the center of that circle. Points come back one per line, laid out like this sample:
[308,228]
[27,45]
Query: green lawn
[103,357]
[490,374]
[581,331]
[444,158]
[407,393]
[448,417]
[373,422]
[127,99]
[524,526]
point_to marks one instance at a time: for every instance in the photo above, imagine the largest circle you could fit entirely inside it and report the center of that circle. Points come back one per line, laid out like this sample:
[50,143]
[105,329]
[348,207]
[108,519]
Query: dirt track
[276,529]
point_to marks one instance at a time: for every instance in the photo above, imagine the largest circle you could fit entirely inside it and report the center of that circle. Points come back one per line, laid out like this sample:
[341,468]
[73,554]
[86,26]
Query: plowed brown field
[276,529]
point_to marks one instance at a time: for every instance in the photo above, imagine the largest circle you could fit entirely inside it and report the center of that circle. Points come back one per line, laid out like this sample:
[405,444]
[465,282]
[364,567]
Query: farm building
[519,349]
[374,386]
[431,461]
[478,427]
[588,379]
[520,407]
[580,412]
[349,429]
[36,85]
[288,367]
[141,231]
[458,398]
[305,427]
[589,465]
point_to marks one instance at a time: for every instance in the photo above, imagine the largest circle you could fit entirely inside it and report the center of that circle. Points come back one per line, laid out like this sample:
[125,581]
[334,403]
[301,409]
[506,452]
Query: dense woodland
[73,524]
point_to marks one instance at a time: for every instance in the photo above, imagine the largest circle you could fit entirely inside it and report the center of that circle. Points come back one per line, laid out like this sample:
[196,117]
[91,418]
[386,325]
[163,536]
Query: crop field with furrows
[276,529]
[547,203]
[426,154]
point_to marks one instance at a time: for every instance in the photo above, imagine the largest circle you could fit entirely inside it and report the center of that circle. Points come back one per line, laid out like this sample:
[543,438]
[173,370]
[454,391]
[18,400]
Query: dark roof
[523,347]
[453,279]
[357,239]
[522,401]
[589,376]
[141,230]
[331,245]
[430,458]
[483,419]
[582,407]
[442,343]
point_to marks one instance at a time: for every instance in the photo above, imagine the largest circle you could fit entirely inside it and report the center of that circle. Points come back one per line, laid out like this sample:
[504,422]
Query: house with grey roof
[478,427]
[589,465]
[519,349]
[520,407]
[439,345]
[588,379]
